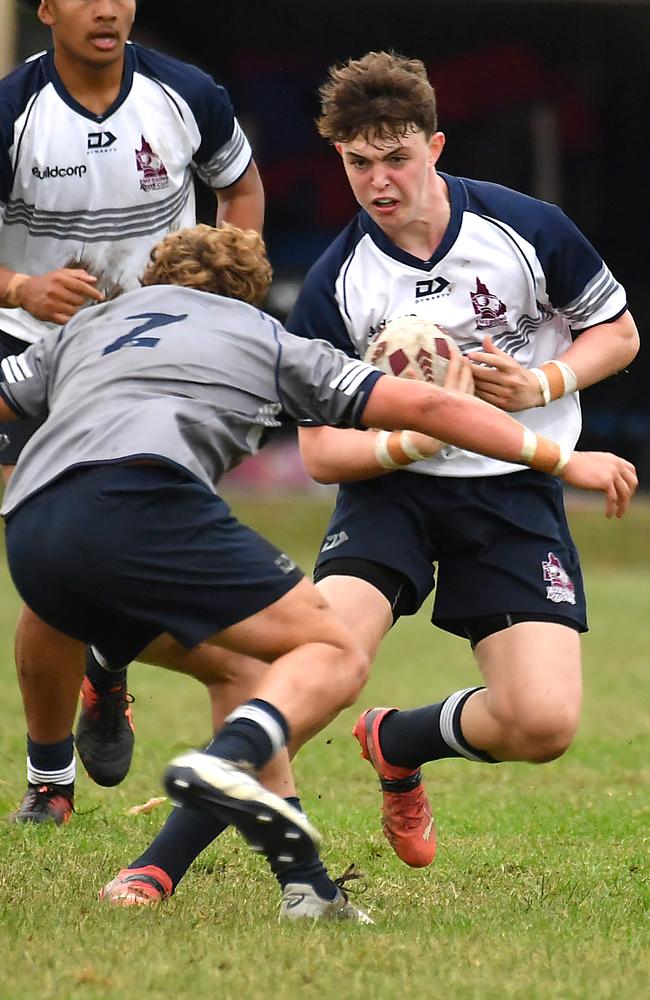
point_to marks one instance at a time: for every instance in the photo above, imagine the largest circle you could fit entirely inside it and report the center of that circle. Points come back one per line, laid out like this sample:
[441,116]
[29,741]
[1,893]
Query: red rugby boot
[406,813]
[45,803]
[138,887]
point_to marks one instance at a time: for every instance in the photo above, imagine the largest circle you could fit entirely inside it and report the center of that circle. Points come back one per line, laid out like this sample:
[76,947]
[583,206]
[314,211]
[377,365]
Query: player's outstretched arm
[476,426]
[332,455]
[54,297]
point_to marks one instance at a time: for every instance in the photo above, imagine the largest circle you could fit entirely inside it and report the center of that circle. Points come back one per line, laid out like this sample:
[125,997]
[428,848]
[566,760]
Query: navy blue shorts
[115,555]
[14,434]
[501,543]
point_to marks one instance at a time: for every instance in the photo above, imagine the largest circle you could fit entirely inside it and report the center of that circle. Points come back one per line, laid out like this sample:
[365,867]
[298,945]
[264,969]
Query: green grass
[540,888]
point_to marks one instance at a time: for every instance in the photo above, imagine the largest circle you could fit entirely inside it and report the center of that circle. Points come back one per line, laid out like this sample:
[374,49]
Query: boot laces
[408,809]
[111,708]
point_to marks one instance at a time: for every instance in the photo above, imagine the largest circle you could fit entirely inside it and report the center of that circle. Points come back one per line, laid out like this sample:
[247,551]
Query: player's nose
[105,10]
[379,178]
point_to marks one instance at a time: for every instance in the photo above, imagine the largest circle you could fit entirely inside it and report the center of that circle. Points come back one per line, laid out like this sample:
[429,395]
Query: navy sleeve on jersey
[15,91]
[316,312]
[6,173]
[210,103]
[569,261]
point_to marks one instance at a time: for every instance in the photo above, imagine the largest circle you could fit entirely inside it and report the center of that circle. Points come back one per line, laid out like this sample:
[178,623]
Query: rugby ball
[412,347]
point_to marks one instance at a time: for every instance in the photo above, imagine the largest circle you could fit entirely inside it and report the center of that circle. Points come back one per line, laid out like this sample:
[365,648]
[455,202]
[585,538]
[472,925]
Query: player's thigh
[360,606]
[212,665]
[37,642]
[533,674]
[301,617]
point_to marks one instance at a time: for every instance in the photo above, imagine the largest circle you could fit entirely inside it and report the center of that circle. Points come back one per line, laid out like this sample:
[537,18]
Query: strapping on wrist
[556,379]
[12,291]
[390,452]
[410,449]
[543,455]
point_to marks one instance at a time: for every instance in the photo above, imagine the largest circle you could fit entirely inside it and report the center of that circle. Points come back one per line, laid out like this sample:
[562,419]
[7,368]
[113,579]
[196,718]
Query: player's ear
[436,146]
[45,13]
[339,148]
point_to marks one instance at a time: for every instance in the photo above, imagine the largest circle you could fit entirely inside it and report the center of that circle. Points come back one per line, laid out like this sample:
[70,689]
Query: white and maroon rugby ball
[412,347]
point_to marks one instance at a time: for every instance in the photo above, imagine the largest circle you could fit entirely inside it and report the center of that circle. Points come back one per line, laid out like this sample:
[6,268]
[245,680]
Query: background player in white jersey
[515,283]
[99,141]
[125,445]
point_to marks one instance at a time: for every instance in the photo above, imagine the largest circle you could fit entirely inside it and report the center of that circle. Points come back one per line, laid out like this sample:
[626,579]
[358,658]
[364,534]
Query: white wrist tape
[552,386]
[382,453]
[13,289]
[529,446]
[409,449]
[543,384]
[568,376]
[565,455]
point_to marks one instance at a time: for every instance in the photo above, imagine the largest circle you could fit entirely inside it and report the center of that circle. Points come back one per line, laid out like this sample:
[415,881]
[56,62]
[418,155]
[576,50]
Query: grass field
[540,889]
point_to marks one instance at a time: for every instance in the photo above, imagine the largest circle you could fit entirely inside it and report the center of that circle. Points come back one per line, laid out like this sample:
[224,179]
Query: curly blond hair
[381,95]
[226,261]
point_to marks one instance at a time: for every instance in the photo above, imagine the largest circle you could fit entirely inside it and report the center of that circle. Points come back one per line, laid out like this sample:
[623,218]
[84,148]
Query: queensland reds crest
[560,587]
[489,308]
[153,170]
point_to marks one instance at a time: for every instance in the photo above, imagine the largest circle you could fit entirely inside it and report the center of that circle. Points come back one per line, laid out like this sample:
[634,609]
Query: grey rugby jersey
[186,377]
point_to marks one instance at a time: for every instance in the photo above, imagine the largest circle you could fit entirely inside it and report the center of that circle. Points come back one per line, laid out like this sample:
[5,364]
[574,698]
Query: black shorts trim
[396,588]
[476,629]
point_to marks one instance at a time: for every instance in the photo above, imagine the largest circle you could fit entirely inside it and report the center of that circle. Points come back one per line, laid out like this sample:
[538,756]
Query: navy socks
[51,763]
[411,738]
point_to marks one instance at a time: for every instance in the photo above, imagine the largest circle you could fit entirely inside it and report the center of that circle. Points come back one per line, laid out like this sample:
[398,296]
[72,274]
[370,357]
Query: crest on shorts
[150,165]
[489,309]
[560,588]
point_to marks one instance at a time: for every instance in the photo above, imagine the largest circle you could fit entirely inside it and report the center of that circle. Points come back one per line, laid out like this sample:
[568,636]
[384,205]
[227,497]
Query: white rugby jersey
[104,189]
[509,266]
[191,379]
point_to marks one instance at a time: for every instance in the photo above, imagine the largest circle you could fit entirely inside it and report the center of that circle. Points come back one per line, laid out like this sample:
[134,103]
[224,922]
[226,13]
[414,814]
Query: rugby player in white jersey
[128,443]
[99,143]
[531,302]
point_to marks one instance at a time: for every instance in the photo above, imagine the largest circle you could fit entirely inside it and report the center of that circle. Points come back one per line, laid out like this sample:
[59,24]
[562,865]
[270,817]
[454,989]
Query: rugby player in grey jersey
[149,399]
[99,142]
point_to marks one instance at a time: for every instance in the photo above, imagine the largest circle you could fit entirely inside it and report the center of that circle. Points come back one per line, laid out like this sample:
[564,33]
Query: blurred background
[551,98]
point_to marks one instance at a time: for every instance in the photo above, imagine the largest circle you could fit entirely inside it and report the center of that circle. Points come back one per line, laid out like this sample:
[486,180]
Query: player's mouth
[384,206]
[105,41]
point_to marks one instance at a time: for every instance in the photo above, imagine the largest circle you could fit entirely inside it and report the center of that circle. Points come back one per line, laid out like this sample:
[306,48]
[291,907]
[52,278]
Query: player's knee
[352,673]
[545,737]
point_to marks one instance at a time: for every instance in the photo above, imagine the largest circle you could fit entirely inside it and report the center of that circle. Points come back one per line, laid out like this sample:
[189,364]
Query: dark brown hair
[225,261]
[382,95]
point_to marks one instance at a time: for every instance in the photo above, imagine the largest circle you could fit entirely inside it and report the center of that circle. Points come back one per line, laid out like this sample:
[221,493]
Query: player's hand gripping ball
[412,347]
